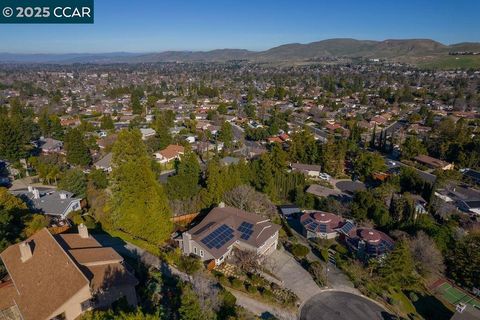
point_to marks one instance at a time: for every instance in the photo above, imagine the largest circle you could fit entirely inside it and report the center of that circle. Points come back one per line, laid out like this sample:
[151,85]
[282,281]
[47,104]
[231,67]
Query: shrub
[223,280]
[299,250]
[236,283]
[252,289]
[189,264]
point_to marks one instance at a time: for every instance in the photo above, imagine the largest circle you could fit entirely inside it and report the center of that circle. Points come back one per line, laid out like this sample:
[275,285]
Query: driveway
[293,275]
[342,306]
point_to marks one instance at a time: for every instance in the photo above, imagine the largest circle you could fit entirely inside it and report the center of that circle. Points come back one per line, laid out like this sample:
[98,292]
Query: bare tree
[207,291]
[246,198]
[247,260]
[425,253]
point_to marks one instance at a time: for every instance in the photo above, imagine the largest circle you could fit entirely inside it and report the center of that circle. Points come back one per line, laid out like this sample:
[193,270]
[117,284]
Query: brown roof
[49,270]
[95,256]
[263,229]
[430,161]
[110,275]
[61,265]
[172,151]
[7,294]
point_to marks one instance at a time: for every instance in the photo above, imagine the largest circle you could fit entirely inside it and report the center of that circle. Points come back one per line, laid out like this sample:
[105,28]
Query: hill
[424,52]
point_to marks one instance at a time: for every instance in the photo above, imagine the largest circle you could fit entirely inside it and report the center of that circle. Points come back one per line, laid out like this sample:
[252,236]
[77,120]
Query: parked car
[324,176]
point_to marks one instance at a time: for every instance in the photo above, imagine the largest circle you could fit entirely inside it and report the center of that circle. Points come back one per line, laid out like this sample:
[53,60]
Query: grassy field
[451,62]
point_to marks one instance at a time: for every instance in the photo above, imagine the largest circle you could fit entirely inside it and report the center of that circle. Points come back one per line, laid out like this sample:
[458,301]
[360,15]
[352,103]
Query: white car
[324,176]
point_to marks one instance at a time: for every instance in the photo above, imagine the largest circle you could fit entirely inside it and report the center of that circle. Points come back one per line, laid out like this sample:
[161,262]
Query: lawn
[452,62]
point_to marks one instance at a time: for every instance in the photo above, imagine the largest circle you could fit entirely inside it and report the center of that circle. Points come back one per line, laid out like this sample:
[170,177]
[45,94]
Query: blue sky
[159,25]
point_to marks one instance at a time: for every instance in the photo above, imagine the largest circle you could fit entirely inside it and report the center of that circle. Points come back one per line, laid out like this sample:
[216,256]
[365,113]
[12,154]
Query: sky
[161,25]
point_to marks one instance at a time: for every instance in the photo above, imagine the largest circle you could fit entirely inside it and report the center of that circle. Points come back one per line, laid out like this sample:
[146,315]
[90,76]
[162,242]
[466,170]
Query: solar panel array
[347,227]
[246,229]
[218,237]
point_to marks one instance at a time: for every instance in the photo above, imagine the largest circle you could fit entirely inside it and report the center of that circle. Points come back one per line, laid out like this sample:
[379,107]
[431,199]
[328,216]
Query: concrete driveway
[342,306]
[293,275]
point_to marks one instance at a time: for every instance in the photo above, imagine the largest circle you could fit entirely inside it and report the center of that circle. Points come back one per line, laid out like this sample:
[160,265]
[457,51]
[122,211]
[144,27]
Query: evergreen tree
[139,205]
[398,269]
[226,134]
[76,148]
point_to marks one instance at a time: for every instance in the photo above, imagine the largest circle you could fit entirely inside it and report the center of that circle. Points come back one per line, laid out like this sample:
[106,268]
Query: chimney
[221,205]
[36,194]
[30,189]
[82,231]
[63,195]
[25,251]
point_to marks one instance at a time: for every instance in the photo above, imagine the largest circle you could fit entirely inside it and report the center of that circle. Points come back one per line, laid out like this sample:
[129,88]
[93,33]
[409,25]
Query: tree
[412,147]
[76,149]
[368,163]
[185,184]
[428,259]
[13,212]
[139,205]
[246,198]
[75,181]
[398,268]
[226,134]
[12,139]
[299,251]
[247,260]
[36,223]
[107,122]
[98,178]
[190,308]
[464,261]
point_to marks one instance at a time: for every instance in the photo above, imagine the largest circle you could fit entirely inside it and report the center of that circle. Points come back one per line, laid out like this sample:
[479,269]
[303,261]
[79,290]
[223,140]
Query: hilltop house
[226,227]
[433,163]
[62,276]
[52,202]
[49,145]
[105,163]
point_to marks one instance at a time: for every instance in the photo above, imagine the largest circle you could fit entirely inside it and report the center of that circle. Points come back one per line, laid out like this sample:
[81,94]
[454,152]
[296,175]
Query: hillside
[424,52]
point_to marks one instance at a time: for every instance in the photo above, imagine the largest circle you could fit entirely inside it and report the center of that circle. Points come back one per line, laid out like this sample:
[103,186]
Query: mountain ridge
[395,49]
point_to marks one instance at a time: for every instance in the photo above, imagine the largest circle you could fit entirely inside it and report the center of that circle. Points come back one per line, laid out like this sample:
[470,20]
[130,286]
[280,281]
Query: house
[321,191]
[320,224]
[147,133]
[433,162]
[466,199]
[472,175]
[226,161]
[226,227]
[368,243]
[307,169]
[62,276]
[105,163]
[288,210]
[49,145]
[52,202]
[170,153]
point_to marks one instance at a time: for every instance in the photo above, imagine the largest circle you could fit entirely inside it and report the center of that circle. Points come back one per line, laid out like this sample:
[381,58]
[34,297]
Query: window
[195,250]
[201,253]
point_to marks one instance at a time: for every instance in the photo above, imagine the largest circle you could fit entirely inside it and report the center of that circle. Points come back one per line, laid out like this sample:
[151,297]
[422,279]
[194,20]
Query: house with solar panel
[226,227]
[320,224]
[368,243]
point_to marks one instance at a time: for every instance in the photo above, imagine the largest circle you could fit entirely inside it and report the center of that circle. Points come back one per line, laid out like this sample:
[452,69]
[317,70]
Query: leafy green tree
[139,205]
[99,178]
[106,122]
[368,163]
[12,140]
[226,134]
[412,147]
[76,148]
[13,212]
[190,308]
[303,148]
[75,181]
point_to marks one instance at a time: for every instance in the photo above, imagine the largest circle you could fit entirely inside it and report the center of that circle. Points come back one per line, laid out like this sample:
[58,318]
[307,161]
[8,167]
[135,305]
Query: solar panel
[323,228]
[246,229]
[313,226]
[218,237]
[347,227]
